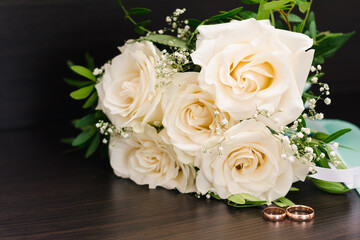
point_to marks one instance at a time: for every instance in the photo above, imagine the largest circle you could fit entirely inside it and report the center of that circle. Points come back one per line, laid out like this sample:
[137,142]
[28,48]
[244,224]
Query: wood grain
[48,195]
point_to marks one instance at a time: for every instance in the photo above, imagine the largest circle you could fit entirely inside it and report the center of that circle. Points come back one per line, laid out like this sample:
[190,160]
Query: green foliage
[82,93]
[166,40]
[244,200]
[328,43]
[138,11]
[283,202]
[330,187]
[83,71]
[336,135]
[293,189]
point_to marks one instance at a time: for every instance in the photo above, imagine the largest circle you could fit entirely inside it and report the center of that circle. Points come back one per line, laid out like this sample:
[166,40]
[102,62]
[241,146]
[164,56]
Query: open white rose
[249,65]
[146,159]
[190,114]
[250,163]
[127,93]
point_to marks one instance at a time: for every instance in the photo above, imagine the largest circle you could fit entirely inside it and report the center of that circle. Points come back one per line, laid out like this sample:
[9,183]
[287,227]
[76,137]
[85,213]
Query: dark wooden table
[48,195]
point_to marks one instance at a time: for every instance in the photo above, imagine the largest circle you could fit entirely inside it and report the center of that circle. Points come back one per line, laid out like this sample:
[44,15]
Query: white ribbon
[350,176]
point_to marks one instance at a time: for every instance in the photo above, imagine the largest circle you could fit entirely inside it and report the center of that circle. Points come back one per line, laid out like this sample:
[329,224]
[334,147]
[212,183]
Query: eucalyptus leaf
[330,187]
[336,135]
[93,145]
[167,40]
[236,198]
[138,11]
[82,93]
[83,71]
[91,100]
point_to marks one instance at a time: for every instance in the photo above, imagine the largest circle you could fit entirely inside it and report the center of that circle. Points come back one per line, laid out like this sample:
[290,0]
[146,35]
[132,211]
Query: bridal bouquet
[218,107]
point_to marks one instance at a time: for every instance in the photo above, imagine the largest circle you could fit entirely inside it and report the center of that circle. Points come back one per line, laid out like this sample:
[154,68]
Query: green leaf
[214,195]
[262,13]
[83,137]
[166,40]
[225,15]
[336,135]
[139,11]
[320,136]
[304,7]
[329,43]
[93,145]
[247,14]
[294,18]
[283,202]
[77,83]
[236,198]
[250,1]
[330,187]
[91,100]
[193,22]
[293,189]
[83,71]
[67,140]
[249,197]
[89,61]
[82,92]
[312,28]
[281,4]
[88,120]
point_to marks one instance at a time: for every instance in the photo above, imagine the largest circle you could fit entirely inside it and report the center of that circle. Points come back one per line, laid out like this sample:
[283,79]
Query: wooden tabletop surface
[46,194]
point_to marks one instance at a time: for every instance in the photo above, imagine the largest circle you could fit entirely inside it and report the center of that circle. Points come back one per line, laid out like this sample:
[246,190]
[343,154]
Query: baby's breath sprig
[107,129]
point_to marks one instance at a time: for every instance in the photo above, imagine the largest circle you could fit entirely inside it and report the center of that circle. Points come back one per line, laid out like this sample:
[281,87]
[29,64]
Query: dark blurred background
[38,37]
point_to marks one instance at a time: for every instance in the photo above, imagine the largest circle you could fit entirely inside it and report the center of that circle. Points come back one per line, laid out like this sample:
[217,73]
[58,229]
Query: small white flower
[335,145]
[104,141]
[321,89]
[332,154]
[322,155]
[309,150]
[312,69]
[300,135]
[314,80]
[294,147]
[327,101]
[319,67]
[319,116]
[306,130]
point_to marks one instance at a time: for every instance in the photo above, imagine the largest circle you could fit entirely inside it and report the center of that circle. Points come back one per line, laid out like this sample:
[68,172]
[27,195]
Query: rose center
[251,76]
[245,160]
[199,116]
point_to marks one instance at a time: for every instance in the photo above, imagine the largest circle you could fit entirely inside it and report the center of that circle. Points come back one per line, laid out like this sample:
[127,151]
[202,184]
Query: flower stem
[127,15]
[306,17]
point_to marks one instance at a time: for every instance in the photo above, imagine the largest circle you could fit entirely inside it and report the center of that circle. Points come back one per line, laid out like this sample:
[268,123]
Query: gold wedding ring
[300,213]
[274,214]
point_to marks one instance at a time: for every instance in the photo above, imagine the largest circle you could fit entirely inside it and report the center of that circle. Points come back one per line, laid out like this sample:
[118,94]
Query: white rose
[190,114]
[127,93]
[250,162]
[250,65]
[146,159]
